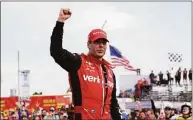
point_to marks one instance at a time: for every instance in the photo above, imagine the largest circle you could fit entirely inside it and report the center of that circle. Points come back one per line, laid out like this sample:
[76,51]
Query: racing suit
[92,81]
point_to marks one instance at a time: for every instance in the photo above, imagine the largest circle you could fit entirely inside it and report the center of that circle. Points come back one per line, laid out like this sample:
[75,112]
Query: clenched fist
[65,13]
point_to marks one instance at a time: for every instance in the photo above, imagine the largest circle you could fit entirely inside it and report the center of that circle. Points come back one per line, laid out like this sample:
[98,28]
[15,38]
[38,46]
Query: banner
[24,85]
[7,103]
[133,105]
[44,102]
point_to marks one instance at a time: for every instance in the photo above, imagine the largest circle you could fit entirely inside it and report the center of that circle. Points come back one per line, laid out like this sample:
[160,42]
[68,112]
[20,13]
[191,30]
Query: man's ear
[88,45]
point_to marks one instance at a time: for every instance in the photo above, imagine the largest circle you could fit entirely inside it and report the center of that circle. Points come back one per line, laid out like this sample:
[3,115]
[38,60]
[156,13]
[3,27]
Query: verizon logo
[91,78]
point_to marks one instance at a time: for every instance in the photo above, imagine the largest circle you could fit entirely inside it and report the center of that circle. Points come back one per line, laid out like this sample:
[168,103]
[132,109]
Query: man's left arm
[115,114]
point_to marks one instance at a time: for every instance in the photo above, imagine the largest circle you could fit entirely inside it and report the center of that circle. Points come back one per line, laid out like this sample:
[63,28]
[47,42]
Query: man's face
[172,112]
[185,110]
[137,113]
[52,112]
[98,48]
[167,111]
[14,117]
[149,115]
[161,116]
[44,112]
[142,115]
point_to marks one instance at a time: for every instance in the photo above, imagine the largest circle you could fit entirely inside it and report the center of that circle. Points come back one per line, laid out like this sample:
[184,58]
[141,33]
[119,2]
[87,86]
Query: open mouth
[100,51]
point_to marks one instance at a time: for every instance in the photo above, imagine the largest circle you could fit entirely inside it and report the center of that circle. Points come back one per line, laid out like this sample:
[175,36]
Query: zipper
[102,108]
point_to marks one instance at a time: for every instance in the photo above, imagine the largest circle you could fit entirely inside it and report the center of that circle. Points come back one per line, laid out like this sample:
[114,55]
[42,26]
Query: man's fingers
[66,11]
[70,12]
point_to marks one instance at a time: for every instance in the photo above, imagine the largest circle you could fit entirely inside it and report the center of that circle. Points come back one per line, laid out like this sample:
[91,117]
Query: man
[151,77]
[168,114]
[52,115]
[172,75]
[91,79]
[168,77]
[190,76]
[186,111]
[179,72]
[185,72]
[161,77]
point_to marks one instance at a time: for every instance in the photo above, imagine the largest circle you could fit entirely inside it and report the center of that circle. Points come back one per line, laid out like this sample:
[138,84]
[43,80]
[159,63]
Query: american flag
[118,60]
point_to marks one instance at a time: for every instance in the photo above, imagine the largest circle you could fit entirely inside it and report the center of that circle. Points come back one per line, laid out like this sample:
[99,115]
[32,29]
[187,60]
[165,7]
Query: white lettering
[99,33]
[91,78]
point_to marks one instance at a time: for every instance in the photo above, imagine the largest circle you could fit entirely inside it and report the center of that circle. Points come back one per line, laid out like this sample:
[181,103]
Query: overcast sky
[143,31]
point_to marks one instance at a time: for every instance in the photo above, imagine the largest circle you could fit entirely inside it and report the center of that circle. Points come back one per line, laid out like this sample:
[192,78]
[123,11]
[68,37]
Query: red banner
[7,103]
[44,102]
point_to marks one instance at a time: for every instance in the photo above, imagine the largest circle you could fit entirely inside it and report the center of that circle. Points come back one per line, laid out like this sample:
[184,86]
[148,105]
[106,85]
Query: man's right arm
[63,57]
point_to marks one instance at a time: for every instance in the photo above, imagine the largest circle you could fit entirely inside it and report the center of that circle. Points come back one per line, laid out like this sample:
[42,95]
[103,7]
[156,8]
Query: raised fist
[65,13]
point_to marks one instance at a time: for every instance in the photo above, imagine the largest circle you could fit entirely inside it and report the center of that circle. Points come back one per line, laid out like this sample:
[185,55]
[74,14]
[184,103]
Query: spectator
[38,117]
[124,115]
[149,114]
[186,111]
[38,110]
[137,91]
[161,116]
[14,116]
[185,72]
[2,116]
[141,116]
[172,75]
[161,78]
[167,112]
[133,116]
[11,112]
[168,77]
[151,77]
[52,115]
[172,111]
[157,113]
[190,76]
[121,94]
[179,72]
[44,113]
[174,114]
[24,115]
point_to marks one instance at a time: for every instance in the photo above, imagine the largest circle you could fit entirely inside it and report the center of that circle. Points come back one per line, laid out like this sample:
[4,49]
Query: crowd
[167,113]
[153,113]
[66,113]
[172,76]
[142,87]
[22,113]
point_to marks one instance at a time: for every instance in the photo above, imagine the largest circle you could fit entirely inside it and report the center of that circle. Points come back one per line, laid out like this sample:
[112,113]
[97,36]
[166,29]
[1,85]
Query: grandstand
[169,93]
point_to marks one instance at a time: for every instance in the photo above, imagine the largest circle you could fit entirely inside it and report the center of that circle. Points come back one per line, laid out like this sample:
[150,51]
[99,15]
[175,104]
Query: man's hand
[65,13]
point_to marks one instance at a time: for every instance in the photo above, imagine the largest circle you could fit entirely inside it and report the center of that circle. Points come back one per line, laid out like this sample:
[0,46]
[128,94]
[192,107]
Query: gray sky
[143,31]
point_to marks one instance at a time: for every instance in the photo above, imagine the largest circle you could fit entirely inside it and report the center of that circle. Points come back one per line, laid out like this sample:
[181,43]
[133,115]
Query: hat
[186,105]
[96,34]
[63,108]
[52,109]
[167,108]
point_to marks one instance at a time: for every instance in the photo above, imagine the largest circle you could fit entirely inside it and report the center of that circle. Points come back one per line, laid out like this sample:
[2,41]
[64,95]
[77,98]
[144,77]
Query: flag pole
[18,78]
[104,24]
